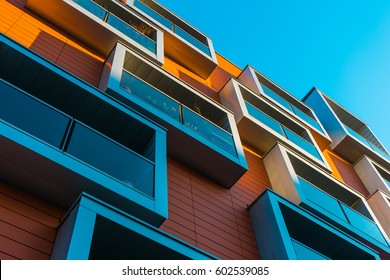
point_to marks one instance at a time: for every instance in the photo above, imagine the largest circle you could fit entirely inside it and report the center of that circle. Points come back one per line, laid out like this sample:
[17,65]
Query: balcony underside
[90,30]
[352,150]
[263,139]
[187,56]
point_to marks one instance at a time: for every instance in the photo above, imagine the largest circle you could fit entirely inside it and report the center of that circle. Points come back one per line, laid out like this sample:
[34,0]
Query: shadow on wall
[69,55]
[51,42]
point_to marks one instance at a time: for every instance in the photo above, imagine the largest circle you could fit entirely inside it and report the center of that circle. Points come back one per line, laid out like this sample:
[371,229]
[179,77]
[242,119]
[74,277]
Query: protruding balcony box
[284,230]
[373,175]
[94,230]
[351,138]
[59,136]
[201,132]
[101,23]
[292,106]
[324,196]
[261,124]
[182,42]
[380,205]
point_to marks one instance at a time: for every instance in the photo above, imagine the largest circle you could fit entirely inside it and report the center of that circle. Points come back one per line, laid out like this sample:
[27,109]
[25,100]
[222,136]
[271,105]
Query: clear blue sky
[341,47]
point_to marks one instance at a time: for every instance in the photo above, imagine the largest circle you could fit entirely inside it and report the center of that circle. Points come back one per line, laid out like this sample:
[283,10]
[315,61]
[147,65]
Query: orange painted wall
[33,32]
[344,171]
[28,225]
[211,217]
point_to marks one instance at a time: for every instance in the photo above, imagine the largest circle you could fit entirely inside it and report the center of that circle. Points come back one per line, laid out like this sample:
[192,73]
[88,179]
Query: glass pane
[208,130]
[299,141]
[307,118]
[356,135]
[152,96]
[32,116]
[276,97]
[192,40]
[112,159]
[321,199]
[92,7]
[387,183]
[378,150]
[264,118]
[132,33]
[363,224]
[153,14]
[304,252]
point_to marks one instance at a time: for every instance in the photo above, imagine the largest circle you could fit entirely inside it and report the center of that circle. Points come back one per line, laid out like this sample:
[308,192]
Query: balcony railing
[282,130]
[172,108]
[334,207]
[118,24]
[303,115]
[304,252]
[71,137]
[366,142]
[176,29]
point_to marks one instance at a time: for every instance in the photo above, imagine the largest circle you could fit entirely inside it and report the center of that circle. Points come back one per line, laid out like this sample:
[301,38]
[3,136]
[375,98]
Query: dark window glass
[32,116]
[111,158]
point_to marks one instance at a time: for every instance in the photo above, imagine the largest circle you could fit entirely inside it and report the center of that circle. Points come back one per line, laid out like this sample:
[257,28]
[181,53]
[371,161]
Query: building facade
[125,135]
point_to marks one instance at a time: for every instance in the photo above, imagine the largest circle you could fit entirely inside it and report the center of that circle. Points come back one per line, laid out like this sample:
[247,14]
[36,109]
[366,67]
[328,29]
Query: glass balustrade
[49,125]
[304,252]
[387,183]
[208,130]
[282,130]
[92,7]
[111,158]
[334,207]
[117,23]
[306,117]
[176,29]
[150,95]
[32,116]
[132,33]
[177,111]
[365,141]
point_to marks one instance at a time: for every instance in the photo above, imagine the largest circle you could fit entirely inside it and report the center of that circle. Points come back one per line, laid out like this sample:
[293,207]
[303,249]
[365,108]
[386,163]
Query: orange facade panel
[27,224]
[211,217]
[49,41]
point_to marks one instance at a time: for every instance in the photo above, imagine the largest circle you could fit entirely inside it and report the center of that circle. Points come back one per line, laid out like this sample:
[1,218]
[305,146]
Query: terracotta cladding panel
[220,217]
[27,224]
[347,173]
[49,41]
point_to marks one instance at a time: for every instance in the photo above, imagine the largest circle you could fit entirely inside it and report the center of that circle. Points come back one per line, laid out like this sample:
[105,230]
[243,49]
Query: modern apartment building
[125,135]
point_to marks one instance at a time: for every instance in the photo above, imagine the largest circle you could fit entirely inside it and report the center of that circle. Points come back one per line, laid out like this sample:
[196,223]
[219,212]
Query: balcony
[60,137]
[322,195]
[182,42]
[261,124]
[373,175]
[262,86]
[284,230]
[198,127]
[89,20]
[94,230]
[380,204]
[351,138]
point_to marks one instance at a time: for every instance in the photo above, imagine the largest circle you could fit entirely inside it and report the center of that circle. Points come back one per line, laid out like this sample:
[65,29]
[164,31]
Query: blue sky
[341,47]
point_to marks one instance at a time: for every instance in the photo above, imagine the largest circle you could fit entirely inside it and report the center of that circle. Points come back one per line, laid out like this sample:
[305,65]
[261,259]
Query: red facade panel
[27,224]
[212,217]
